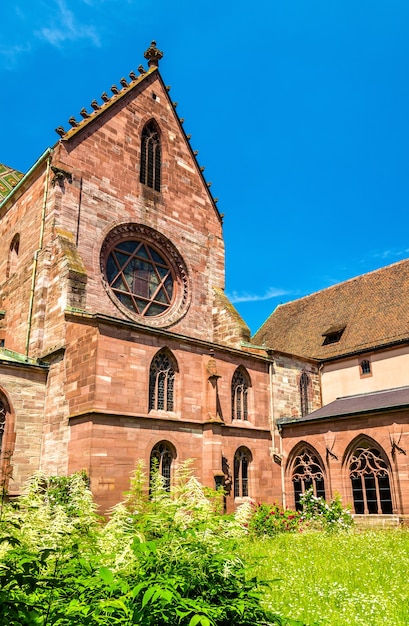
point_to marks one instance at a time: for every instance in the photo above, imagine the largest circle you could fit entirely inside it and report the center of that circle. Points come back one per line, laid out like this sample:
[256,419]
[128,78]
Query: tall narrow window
[161,461]
[305,385]
[307,472]
[369,474]
[239,394]
[162,383]
[13,255]
[242,460]
[151,156]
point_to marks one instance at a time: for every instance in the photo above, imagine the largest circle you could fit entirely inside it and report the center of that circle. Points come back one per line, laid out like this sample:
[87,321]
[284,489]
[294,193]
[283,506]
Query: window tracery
[144,275]
[161,461]
[239,394]
[369,474]
[307,472]
[242,459]
[140,277]
[161,383]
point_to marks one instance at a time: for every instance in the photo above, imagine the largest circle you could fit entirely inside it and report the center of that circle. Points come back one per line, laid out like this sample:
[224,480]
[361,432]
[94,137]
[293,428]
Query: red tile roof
[373,309]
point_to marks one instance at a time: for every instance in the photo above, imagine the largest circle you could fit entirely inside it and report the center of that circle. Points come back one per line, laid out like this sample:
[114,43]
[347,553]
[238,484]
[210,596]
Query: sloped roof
[88,116]
[8,180]
[372,310]
[15,358]
[107,102]
[376,401]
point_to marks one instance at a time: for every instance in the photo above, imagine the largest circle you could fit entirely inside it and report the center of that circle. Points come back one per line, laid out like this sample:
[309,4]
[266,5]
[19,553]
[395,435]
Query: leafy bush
[264,520]
[268,520]
[330,516]
[170,558]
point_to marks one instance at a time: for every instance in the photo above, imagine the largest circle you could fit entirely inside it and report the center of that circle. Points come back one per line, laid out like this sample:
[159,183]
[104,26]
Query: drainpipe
[320,368]
[282,472]
[271,398]
[47,154]
[277,454]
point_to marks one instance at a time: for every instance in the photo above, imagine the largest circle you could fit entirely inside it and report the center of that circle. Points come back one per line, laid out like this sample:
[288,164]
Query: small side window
[365,367]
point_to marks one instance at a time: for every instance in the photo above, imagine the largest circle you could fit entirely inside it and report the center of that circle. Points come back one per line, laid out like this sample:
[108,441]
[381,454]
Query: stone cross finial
[153,55]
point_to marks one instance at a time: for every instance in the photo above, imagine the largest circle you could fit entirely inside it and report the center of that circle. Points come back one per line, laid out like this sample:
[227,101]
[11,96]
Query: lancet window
[239,394]
[161,461]
[305,386]
[162,383]
[151,156]
[242,460]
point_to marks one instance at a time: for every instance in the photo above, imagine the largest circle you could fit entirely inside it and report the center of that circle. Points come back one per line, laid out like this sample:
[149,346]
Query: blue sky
[299,110]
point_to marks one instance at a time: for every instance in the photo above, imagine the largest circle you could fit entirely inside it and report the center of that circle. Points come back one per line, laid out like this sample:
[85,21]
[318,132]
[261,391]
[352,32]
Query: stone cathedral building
[118,343]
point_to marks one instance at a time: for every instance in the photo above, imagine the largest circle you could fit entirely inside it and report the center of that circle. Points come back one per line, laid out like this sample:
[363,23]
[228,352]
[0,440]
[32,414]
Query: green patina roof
[8,180]
[15,357]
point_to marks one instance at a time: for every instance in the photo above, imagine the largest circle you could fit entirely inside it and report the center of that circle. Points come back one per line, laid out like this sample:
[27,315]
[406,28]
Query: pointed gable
[127,171]
[130,91]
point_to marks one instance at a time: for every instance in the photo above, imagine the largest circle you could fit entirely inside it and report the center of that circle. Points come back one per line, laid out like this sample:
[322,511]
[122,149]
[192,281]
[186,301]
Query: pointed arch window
[161,459]
[242,460]
[307,472]
[13,255]
[369,474]
[151,156]
[162,382]
[239,394]
[305,386]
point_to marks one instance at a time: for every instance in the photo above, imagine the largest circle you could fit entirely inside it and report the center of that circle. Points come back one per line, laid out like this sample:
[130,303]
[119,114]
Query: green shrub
[268,520]
[330,516]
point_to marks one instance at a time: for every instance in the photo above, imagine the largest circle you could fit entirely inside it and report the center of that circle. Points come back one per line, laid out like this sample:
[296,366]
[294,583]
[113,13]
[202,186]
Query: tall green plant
[163,558]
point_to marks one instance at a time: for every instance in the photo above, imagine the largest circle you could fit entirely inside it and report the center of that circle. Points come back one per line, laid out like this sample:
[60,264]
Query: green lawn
[352,579]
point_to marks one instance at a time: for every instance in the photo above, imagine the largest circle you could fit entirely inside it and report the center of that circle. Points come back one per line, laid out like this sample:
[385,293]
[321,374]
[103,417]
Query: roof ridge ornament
[153,55]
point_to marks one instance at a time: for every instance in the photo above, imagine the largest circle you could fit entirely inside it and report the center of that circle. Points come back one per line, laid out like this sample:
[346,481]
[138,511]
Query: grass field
[351,579]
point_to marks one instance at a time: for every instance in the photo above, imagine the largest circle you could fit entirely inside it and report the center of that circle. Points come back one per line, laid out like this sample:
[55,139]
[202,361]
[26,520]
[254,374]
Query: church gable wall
[106,191]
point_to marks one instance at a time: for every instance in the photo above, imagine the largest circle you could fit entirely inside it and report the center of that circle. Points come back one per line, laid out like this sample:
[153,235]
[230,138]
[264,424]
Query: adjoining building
[357,333]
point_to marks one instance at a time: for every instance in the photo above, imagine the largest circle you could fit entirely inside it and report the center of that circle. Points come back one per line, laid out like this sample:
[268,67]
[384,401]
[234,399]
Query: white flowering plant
[329,516]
